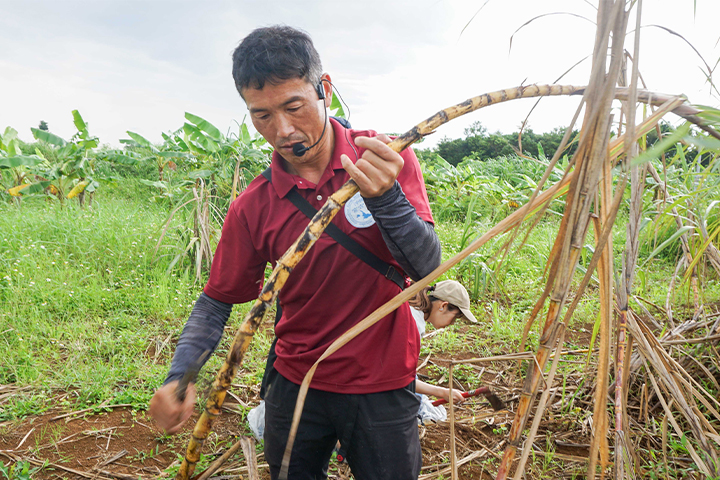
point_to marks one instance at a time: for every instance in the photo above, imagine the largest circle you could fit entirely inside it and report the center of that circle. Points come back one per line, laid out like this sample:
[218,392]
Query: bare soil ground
[117,442]
[122,443]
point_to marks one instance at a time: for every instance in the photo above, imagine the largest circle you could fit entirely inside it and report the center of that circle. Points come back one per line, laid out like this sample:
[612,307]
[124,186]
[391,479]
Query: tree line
[480,145]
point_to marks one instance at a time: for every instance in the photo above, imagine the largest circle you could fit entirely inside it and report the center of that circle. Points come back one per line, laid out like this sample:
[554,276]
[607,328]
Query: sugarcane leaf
[708,113]
[656,150]
[667,242]
[205,126]
[704,142]
[47,137]
[700,253]
[710,207]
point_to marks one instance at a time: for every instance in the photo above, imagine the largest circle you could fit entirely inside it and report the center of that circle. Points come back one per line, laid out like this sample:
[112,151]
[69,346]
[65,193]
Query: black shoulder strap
[343,239]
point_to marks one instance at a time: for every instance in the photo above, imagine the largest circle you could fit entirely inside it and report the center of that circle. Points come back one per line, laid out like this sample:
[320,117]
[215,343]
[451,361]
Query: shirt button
[319,197]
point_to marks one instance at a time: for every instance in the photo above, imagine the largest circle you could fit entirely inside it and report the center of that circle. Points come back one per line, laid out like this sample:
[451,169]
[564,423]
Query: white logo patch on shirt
[357,213]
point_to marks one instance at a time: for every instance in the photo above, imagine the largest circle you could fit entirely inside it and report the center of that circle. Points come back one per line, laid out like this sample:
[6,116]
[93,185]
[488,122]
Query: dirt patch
[115,443]
[122,443]
[126,444]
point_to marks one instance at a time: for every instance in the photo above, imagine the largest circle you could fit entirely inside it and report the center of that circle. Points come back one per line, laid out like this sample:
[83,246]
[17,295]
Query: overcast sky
[139,65]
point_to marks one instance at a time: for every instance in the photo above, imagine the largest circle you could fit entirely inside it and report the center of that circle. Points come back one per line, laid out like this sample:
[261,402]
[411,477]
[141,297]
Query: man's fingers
[167,411]
[376,171]
[188,404]
[354,172]
[377,145]
[383,138]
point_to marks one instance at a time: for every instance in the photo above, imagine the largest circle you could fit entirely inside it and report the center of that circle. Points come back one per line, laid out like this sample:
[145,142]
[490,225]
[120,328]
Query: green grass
[85,303]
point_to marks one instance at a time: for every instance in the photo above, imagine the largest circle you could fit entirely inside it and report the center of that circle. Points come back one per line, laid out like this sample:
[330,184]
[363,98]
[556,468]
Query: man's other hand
[375,172]
[167,411]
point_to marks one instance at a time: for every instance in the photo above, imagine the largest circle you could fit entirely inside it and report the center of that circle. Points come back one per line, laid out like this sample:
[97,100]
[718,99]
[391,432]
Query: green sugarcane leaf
[710,207]
[700,254]
[656,150]
[704,142]
[48,137]
[667,242]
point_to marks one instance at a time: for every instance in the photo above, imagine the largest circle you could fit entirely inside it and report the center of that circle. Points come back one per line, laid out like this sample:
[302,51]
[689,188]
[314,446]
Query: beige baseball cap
[455,294]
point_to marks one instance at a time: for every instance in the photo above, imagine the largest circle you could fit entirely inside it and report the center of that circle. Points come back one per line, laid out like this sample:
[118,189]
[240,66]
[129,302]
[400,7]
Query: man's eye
[293,109]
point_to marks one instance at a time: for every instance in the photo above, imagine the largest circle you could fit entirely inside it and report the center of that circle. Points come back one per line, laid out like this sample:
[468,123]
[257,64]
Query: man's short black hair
[274,54]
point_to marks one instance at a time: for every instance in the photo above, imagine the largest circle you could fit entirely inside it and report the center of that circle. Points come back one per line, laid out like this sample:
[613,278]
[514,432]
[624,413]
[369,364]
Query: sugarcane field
[210,278]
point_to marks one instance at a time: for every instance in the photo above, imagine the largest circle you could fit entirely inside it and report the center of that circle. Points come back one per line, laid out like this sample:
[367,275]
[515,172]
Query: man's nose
[284,126]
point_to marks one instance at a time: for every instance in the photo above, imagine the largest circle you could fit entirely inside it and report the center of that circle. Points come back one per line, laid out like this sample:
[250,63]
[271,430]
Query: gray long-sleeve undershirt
[412,242]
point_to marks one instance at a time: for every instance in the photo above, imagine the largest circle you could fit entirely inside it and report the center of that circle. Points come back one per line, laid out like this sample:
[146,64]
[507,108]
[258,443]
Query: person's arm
[411,240]
[202,333]
[439,392]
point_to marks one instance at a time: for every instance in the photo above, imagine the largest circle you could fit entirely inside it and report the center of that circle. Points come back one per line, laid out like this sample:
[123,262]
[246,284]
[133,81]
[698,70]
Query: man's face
[287,113]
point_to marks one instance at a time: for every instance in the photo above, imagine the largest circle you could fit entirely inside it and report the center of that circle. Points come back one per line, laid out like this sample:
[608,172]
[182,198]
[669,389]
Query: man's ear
[326,83]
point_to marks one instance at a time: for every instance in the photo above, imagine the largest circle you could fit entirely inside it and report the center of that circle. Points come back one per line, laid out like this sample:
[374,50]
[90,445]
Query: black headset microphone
[298,148]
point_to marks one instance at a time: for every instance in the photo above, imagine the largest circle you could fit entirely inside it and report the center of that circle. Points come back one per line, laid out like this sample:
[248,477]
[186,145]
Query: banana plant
[142,150]
[72,175]
[15,167]
[225,164]
[235,159]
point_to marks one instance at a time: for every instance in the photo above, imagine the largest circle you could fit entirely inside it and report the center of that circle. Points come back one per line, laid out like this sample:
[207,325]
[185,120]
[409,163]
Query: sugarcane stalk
[503,226]
[453,453]
[589,160]
[317,225]
[306,240]
[632,245]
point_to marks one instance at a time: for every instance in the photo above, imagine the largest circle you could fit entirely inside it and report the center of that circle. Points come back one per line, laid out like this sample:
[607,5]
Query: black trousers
[378,431]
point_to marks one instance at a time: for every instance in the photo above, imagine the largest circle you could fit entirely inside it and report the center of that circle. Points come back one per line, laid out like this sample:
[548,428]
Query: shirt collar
[283,181]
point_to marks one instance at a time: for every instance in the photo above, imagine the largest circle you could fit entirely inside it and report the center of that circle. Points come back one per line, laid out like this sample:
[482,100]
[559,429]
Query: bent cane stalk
[503,226]
[313,231]
[317,225]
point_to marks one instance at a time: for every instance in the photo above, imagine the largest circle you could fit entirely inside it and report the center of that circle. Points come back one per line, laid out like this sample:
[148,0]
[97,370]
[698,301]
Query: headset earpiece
[320,90]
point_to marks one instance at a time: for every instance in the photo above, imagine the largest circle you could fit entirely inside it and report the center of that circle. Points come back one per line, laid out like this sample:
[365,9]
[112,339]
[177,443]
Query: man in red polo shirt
[363,394]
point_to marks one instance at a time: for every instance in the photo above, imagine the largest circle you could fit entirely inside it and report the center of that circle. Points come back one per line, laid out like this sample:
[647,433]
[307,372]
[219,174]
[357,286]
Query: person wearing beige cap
[440,305]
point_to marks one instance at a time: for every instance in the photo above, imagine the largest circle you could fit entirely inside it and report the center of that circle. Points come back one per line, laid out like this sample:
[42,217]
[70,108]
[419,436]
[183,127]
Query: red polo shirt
[330,290]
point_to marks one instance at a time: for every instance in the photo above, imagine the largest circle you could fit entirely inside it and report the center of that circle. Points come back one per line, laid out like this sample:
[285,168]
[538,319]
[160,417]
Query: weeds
[21,470]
